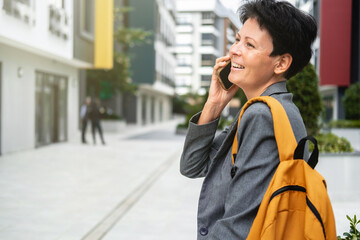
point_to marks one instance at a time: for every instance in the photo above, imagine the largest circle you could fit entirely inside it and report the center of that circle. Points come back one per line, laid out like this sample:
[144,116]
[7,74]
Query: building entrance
[51,108]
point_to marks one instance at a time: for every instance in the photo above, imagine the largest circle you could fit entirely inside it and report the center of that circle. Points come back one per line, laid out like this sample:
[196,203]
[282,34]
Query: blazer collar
[276,88]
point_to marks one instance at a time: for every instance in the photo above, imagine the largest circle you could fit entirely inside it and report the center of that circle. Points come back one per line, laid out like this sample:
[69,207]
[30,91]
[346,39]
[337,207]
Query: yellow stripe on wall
[104,20]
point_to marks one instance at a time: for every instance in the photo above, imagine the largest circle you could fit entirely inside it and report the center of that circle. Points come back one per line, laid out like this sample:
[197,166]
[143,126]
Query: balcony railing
[20,10]
[58,22]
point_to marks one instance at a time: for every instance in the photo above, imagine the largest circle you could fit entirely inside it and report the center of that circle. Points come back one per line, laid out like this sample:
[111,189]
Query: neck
[258,90]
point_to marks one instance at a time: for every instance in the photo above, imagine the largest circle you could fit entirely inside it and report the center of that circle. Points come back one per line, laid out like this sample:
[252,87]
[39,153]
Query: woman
[273,44]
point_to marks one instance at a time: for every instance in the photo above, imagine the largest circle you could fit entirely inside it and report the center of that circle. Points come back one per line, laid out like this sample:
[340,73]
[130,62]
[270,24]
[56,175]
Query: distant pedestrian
[84,115]
[95,111]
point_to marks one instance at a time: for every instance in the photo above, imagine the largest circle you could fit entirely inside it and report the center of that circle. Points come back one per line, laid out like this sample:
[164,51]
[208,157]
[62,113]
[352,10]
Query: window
[316,11]
[184,19]
[184,60]
[208,18]
[329,106]
[205,80]
[208,15]
[208,60]
[316,59]
[87,12]
[152,99]
[181,81]
[143,109]
[208,39]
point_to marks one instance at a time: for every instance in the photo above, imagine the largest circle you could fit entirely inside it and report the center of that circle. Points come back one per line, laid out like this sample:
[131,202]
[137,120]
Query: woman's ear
[283,63]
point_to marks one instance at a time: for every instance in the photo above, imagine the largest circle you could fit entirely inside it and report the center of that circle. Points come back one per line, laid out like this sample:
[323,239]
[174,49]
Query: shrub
[190,104]
[331,143]
[351,102]
[353,233]
[304,87]
[179,104]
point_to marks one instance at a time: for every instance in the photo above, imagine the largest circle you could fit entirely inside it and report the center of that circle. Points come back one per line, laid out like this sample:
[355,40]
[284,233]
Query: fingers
[220,63]
[222,59]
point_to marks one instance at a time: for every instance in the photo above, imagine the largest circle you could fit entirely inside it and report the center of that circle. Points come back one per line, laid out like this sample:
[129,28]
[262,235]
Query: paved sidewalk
[64,191]
[130,189]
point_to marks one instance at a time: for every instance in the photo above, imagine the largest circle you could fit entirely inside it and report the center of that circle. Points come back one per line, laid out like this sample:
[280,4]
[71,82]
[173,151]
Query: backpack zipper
[308,202]
[287,188]
[316,213]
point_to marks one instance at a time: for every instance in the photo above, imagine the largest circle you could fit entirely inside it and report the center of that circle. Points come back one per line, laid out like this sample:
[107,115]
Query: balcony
[184,48]
[184,70]
[20,10]
[58,22]
[185,28]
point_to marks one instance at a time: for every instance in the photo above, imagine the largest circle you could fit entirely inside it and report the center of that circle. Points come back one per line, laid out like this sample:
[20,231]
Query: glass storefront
[328,102]
[51,108]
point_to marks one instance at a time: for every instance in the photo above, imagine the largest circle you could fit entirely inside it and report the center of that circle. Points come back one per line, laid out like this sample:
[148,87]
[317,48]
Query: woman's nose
[235,49]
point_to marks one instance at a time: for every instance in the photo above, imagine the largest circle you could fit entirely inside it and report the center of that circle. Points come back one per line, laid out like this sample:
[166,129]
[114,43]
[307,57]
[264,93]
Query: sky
[232,4]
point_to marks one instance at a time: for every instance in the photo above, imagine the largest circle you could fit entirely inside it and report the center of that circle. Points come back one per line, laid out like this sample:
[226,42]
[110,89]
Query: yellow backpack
[296,204]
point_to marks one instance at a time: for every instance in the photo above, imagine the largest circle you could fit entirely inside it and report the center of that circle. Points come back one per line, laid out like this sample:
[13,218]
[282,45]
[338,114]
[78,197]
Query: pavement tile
[62,191]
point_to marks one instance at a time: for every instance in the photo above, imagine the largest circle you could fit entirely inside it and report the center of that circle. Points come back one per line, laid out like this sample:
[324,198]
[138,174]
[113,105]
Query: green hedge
[223,123]
[351,102]
[111,117]
[331,143]
[345,124]
[305,88]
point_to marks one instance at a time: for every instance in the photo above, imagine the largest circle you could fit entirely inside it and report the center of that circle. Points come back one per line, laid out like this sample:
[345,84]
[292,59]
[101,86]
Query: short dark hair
[292,30]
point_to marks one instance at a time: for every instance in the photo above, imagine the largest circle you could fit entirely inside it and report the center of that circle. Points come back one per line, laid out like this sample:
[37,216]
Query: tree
[351,102]
[106,82]
[304,86]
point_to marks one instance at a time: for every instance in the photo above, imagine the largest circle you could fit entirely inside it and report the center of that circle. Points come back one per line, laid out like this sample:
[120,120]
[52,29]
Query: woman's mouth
[237,66]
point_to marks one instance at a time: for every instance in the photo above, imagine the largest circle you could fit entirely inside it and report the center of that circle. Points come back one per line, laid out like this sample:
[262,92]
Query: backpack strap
[284,135]
[299,151]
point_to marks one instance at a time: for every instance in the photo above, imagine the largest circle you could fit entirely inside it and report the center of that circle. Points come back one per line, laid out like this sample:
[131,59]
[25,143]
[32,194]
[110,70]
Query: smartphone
[223,74]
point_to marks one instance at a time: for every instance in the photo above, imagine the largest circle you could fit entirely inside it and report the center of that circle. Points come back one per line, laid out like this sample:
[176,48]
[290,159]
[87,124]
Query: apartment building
[336,50]
[339,52]
[43,44]
[206,30]
[152,65]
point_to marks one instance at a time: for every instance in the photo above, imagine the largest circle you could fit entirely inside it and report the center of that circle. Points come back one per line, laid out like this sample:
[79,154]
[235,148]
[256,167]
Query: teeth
[238,66]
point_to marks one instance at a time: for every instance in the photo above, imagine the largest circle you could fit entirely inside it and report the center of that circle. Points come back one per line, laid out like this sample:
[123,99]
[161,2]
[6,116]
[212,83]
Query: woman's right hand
[218,97]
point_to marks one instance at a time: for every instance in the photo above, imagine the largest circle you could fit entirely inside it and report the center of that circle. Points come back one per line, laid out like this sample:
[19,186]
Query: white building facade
[206,30]
[153,65]
[39,82]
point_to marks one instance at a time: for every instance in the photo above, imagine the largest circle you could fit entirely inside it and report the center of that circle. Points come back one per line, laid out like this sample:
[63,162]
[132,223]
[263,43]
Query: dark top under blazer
[228,206]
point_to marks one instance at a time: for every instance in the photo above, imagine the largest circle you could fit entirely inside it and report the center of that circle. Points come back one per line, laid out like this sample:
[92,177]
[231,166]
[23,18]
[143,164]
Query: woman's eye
[250,45]
[237,39]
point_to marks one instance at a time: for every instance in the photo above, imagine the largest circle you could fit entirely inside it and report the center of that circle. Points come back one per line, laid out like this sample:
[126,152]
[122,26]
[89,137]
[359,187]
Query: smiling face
[253,69]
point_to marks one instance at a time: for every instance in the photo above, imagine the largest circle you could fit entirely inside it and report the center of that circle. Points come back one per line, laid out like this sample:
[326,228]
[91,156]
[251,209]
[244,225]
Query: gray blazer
[228,206]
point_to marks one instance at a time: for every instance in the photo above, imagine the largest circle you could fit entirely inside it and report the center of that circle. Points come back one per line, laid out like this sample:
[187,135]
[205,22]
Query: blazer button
[203,231]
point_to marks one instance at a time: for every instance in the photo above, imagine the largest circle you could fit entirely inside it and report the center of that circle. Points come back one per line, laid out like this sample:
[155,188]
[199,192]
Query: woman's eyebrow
[247,37]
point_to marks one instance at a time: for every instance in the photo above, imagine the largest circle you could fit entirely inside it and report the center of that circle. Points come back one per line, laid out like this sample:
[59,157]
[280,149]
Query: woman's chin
[232,79]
